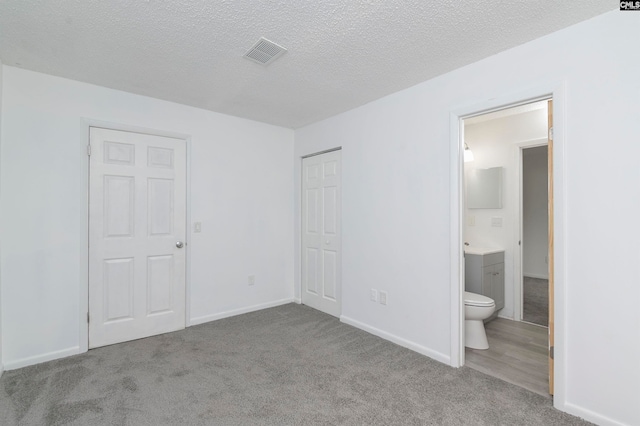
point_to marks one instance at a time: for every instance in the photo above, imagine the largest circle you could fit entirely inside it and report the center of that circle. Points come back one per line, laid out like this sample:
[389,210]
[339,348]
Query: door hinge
[87,317]
[551,133]
[89,150]
[551,352]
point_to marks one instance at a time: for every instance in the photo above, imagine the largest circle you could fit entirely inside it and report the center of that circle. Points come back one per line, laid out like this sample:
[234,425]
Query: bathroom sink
[481,250]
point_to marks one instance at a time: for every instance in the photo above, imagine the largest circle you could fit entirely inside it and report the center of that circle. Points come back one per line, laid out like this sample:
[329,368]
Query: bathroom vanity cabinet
[484,274]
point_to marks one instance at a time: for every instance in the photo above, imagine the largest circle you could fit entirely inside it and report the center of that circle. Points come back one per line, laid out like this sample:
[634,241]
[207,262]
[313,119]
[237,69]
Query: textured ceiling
[341,53]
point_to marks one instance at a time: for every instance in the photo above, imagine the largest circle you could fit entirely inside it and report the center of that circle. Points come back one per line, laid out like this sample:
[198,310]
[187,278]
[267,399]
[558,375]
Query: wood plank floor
[517,354]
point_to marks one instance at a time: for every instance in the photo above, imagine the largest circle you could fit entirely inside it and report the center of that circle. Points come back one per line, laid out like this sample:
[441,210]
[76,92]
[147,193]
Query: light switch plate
[496,222]
[471,220]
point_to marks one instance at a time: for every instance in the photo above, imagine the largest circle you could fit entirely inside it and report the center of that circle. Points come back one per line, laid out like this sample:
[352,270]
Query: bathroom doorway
[503,142]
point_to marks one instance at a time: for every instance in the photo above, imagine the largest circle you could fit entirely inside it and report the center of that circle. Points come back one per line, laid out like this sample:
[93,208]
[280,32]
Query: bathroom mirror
[484,188]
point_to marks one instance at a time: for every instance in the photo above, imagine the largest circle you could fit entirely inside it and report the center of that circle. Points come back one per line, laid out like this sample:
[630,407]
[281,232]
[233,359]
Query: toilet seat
[473,299]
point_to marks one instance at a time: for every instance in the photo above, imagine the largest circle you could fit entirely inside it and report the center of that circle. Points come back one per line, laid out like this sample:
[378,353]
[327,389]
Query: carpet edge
[226,314]
[423,350]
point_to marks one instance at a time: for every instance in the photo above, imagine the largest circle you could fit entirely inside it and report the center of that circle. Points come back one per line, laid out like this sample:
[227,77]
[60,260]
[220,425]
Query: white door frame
[83,303]
[556,91]
[518,292]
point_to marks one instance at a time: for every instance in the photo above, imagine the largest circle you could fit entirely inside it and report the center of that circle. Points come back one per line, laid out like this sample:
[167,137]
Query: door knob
[179,244]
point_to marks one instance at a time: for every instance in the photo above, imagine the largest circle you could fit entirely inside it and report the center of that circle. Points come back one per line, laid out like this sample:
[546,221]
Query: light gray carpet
[289,365]
[536,301]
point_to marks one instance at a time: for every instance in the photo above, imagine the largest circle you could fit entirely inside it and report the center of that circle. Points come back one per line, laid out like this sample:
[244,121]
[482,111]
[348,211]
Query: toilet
[476,309]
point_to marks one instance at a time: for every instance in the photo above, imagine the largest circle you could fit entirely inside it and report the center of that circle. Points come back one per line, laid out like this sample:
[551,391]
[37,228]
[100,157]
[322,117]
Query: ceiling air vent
[264,52]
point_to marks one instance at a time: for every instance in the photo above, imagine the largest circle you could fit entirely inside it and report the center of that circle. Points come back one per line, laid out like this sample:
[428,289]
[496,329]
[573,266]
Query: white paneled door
[321,236]
[137,213]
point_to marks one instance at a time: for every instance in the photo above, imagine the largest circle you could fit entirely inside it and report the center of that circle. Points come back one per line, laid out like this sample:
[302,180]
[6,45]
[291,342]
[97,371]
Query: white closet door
[137,214]
[321,236]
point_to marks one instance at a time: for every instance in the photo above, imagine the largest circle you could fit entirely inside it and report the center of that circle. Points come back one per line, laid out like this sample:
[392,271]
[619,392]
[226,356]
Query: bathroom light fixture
[468,155]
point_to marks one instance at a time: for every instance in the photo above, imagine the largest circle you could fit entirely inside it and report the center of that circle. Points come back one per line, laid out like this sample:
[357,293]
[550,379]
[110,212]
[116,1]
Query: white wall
[495,143]
[396,198]
[535,214]
[241,191]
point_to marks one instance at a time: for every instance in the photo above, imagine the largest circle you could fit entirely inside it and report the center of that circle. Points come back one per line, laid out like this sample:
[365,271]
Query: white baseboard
[297,300]
[1,369]
[37,359]
[591,416]
[240,311]
[539,276]
[438,356]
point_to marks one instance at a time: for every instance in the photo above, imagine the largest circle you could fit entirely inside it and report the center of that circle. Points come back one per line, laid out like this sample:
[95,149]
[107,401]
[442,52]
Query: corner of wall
[1,357]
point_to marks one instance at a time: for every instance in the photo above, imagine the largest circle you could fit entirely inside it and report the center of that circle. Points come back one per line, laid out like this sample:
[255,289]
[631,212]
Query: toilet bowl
[476,309]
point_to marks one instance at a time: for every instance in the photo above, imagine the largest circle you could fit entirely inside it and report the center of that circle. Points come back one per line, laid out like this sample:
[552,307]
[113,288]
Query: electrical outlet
[252,279]
[373,294]
[197,227]
[383,297]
